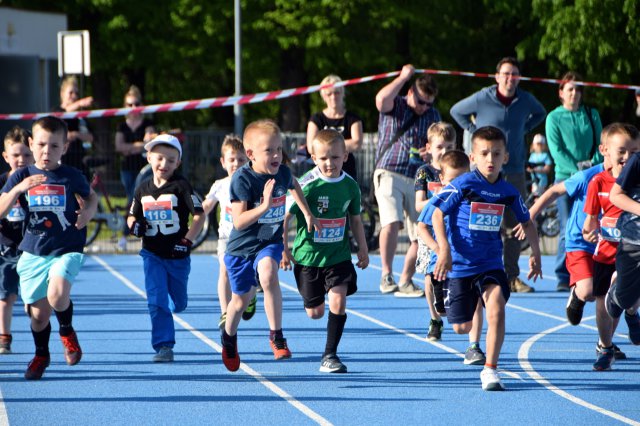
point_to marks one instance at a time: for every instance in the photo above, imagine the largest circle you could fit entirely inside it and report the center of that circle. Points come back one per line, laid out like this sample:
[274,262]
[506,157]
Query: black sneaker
[617,353]
[435,330]
[438,295]
[633,322]
[474,356]
[575,307]
[331,364]
[605,359]
[251,309]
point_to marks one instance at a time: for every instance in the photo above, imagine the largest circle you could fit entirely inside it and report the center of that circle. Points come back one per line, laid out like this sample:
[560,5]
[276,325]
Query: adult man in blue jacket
[515,112]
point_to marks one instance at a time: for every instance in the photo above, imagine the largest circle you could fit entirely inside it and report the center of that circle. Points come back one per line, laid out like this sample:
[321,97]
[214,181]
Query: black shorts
[461,294]
[628,281]
[602,274]
[9,278]
[314,283]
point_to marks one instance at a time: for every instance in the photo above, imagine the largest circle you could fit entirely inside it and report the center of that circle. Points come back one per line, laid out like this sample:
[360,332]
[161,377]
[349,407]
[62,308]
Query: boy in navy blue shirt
[54,238]
[471,258]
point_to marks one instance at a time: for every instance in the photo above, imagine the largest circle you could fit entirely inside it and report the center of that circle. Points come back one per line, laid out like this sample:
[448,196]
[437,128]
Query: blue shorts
[36,271]
[461,294]
[243,272]
[9,278]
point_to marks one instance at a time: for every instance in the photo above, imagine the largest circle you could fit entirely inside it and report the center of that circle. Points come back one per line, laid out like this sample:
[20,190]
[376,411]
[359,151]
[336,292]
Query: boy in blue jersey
[258,197]
[471,257]
[58,203]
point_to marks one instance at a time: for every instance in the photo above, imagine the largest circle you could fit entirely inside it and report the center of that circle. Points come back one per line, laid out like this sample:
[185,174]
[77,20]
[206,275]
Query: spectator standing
[335,116]
[516,112]
[573,135]
[402,130]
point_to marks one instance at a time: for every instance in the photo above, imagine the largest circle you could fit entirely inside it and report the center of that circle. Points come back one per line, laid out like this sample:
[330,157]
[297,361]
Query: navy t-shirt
[12,226]
[247,185]
[51,210]
[476,208]
[629,181]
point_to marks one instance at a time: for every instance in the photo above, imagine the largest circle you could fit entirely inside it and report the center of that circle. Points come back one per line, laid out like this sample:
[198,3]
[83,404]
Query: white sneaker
[491,380]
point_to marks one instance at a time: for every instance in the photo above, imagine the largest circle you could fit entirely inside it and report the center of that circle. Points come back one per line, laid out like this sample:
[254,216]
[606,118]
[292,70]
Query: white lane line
[4,417]
[244,367]
[523,358]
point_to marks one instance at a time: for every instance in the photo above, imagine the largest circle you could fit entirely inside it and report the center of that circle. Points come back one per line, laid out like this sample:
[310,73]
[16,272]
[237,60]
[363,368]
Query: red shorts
[579,265]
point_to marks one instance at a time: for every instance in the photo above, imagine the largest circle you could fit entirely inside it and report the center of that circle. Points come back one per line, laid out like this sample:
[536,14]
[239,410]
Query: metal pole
[237,109]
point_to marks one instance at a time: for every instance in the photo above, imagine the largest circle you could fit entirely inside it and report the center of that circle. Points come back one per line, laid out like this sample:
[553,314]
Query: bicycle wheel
[94,226]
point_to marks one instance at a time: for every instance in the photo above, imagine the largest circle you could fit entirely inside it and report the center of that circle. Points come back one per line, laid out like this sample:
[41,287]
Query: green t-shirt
[331,200]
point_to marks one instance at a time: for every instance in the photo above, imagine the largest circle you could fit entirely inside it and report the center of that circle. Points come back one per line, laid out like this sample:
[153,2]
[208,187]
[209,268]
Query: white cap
[540,139]
[165,139]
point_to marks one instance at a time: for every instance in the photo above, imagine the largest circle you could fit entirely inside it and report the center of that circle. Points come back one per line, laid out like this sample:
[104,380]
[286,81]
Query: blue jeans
[564,204]
[165,281]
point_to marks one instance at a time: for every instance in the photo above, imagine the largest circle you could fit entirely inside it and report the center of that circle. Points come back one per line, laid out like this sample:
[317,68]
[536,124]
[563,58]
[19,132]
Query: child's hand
[84,215]
[443,265]
[182,249]
[287,259]
[267,193]
[518,232]
[30,182]
[363,258]
[590,236]
[139,228]
[313,223]
[535,270]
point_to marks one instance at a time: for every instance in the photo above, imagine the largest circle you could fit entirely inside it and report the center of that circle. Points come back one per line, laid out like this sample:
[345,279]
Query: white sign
[73,53]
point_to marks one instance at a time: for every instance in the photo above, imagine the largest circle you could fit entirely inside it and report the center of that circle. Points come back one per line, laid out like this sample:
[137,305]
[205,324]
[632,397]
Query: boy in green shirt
[322,259]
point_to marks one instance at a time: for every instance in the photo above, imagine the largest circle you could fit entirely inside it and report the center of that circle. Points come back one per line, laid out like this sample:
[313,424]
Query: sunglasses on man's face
[419,100]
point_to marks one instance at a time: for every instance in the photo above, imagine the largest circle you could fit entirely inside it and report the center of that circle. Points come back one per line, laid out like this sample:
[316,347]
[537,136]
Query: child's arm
[530,231]
[355,222]
[298,197]
[8,199]
[88,208]
[243,218]
[548,197]
[590,229]
[196,226]
[620,199]
[421,200]
[209,205]
[287,256]
[423,233]
[443,264]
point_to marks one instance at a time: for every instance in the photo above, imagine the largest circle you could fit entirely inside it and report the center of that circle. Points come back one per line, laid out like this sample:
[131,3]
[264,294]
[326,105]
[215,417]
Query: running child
[233,157]
[322,260]
[619,142]
[258,197]
[159,214]
[17,155]
[475,203]
[58,203]
[541,164]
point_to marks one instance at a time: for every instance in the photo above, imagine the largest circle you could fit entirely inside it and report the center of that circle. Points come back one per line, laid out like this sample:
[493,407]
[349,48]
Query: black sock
[335,326]
[276,334]
[41,340]
[226,339]
[64,318]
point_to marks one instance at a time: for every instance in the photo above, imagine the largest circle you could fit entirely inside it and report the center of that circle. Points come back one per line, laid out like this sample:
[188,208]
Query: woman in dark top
[335,116]
[78,131]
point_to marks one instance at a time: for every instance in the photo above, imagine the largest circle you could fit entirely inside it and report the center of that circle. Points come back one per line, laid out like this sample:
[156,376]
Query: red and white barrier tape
[226,101]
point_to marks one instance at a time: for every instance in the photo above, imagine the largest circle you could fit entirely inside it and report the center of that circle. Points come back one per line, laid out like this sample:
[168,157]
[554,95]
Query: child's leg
[6,313]
[428,292]
[476,327]
[268,273]
[495,308]
[606,325]
[337,318]
[235,308]
[178,271]
[584,289]
[156,282]
[224,288]
[40,312]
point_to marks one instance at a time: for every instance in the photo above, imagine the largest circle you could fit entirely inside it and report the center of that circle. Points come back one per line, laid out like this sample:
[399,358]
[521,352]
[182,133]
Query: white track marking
[4,418]
[244,367]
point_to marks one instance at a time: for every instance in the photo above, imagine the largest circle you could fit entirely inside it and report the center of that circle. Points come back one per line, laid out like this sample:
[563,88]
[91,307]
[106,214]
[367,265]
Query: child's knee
[316,312]
[464,328]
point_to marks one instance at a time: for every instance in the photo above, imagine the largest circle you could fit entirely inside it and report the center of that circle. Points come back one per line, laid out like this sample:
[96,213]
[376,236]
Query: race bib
[276,213]
[486,216]
[158,212]
[608,229]
[434,187]
[16,214]
[47,198]
[226,221]
[332,230]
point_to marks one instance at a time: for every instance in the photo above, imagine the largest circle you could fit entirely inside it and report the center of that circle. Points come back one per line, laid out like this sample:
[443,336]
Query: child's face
[164,161]
[489,156]
[437,147]
[618,149]
[18,155]
[449,173]
[329,158]
[47,148]
[232,160]
[265,152]
[538,147]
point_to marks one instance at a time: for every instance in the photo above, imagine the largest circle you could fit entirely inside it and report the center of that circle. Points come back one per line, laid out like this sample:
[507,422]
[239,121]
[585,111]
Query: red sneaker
[36,367]
[280,349]
[230,356]
[72,351]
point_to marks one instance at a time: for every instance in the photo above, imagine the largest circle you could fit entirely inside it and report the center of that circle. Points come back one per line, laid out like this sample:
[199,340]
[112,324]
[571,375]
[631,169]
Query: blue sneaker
[604,360]
[633,322]
[610,304]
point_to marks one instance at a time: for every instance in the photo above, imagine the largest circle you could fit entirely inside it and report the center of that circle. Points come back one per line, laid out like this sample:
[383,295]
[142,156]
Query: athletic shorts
[628,281]
[461,294]
[396,197]
[243,272]
[602,273]
[315,282]
[36,271]
[9,278]
[579,265]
